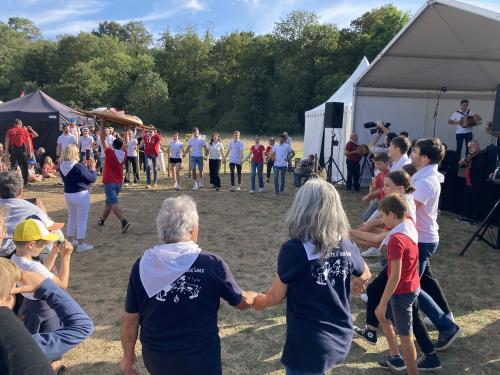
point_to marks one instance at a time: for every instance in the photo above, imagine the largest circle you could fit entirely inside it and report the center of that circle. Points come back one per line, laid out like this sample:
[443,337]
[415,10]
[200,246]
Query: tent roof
[36,102]
[446,44]
[345,92]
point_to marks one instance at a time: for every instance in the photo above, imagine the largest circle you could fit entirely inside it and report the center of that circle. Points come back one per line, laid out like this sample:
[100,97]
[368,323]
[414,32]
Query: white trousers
[78,205]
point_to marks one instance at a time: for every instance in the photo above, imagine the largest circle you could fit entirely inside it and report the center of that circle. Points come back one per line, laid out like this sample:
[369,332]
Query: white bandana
[66,166]
[120,155]
[407,228]
[428,171]
[160,266]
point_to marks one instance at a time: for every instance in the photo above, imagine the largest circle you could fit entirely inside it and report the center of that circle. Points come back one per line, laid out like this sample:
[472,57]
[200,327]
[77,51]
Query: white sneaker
[364,297]
[252,191]
[232,188]
[178,187]
[200,183]
[261,190]
[195,186]
[125,184]
[371,252]
[238,188]
[84,247]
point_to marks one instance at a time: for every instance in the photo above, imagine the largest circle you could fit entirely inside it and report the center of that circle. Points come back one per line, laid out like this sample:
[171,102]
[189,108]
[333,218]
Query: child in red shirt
[403,285]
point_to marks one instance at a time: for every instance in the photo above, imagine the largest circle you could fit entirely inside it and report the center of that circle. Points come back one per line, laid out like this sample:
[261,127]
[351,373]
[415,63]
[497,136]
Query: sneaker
[238,188]
[252,191]
[148,186]
[233,188]
[178,187]
[382,362]
[84,247]
[155,184]
[200,183]
[125,184]
[364,297]
[195,186]
[100,222]
[445,339]
[261,190]
[396,364]
[428,322]
[267,180]
[74,243]
[366,334]
[463,219]
[371,252]
[429,362]
[125,226]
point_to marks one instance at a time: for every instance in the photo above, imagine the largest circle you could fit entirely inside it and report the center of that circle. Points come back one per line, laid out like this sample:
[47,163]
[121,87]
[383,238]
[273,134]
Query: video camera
[373,126]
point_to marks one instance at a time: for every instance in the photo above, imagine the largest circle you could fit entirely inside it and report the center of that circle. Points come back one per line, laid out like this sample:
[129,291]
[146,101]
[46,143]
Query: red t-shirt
[351,146]
[379,183]
[18,137]
[113,168]
[402,247]
[151,144]
[257,153]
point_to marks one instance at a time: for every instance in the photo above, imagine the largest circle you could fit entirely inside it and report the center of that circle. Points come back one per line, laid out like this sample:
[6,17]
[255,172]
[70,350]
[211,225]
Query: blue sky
[55,17]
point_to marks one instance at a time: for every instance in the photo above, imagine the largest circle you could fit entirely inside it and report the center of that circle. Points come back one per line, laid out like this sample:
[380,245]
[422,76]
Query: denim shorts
[196,161]
[112,191]
[400,312]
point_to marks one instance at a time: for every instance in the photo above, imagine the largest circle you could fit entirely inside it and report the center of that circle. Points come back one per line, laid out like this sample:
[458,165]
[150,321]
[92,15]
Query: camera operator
[381,139]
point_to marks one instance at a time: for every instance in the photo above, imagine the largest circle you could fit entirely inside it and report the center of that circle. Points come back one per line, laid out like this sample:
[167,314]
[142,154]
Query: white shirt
[412,209]
[65,140]
[196,146]
[400,163]
[86,143]
[458,116]
[132,147]
[109,141]
[235,148]
[216,150]
[281,154]
[32,266]
[427,190]
[175,149]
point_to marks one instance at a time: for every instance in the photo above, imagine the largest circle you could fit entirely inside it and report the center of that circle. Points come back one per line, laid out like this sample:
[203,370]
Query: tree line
[255,83]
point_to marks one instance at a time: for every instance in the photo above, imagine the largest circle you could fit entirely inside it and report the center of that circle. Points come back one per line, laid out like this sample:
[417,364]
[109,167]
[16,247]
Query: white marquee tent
[314,120]
[446,44]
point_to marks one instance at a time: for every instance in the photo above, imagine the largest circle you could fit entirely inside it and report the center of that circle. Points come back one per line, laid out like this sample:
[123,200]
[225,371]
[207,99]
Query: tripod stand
[330,163]
[480,232]
[366,164]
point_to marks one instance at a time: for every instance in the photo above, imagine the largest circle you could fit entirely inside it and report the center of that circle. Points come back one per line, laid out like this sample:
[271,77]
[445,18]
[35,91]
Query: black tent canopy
[43,113]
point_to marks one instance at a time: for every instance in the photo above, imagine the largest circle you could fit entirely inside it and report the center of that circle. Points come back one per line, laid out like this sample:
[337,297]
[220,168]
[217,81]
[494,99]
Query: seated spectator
[32,175]
[174,295]
[303,170]
[49,169]
[39,158]
[11,189]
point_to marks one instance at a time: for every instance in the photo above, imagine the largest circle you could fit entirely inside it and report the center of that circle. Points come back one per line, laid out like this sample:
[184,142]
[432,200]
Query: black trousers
[375,290]
[430,284]
[474,201]
[131,160]
[214,169]
[238,170]
[353,168]
[461,138]
[19,157]
[269,169]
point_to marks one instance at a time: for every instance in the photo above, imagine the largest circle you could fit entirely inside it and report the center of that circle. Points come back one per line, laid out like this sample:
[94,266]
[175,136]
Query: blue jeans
[257,168]
[277,187]
[112,191]
[151,159]
[290,371]
[427,304]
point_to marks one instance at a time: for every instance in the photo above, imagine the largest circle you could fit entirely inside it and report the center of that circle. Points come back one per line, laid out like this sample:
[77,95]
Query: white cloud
[70,10]
[73,27]
[195,5]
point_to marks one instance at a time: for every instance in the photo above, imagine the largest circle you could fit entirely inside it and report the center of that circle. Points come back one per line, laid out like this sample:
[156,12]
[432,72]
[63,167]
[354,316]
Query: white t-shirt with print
[216,150]
[85,143]
[32,266]
[175,149]
[427,191]
[458,116]
[281,154]
[65,140]
[235,148]
[197,145]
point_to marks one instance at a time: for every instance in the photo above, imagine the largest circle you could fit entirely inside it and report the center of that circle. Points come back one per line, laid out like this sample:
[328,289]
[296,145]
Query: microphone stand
[439,91]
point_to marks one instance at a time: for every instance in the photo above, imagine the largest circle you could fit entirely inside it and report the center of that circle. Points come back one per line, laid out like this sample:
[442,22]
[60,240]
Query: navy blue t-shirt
[318,314]
[181,324]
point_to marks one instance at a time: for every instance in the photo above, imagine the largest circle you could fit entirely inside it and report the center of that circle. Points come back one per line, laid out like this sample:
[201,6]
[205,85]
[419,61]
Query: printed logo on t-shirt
[327,272]
[182,288]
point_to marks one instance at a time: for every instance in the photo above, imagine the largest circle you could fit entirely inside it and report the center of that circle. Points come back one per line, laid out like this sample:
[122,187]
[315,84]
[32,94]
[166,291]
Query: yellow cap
[33,230]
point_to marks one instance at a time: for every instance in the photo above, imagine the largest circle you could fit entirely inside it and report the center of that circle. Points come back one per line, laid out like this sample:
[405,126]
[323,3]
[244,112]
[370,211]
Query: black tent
[42,112]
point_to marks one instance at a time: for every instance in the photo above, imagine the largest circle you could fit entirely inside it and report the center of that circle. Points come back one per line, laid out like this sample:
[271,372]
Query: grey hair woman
[174,294]
[314,273]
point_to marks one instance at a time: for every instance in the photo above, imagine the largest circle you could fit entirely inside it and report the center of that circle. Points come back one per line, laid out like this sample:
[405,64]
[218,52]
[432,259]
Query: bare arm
[62,281]
[50,259]
[128,333]
[275,295]
[359,282]
[247,298]
[34,134]
[102,135]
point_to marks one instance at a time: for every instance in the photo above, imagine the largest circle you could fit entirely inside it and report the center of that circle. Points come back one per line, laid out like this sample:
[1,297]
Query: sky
[56,17]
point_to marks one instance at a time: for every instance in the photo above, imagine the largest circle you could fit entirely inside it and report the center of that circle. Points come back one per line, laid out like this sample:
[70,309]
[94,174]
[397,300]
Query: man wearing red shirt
[17,144]
[112,177]
[151,141]
[353,158]
[257,164]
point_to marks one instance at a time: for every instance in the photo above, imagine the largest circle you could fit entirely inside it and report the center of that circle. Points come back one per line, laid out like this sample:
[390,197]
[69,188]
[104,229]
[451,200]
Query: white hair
[176,218]
[317,215]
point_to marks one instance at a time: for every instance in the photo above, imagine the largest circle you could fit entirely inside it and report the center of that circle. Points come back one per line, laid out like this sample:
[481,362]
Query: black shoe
[463,219]
[100,222]
[429,362]
[396,364]
[366,334]
[125,226]
[445,339]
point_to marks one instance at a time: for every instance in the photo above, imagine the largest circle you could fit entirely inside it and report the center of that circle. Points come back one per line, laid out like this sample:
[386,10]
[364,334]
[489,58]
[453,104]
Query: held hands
[259,302]
[358,285]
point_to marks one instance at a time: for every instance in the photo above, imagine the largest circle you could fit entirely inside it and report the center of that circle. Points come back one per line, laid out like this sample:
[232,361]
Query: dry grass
[247,230]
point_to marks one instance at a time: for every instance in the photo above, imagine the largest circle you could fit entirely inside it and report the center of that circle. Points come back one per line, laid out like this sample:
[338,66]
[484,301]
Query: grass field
[247,231]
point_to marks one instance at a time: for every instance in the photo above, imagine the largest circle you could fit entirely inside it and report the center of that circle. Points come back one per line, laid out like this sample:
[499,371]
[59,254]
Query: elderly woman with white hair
[315,267]
[174,295]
